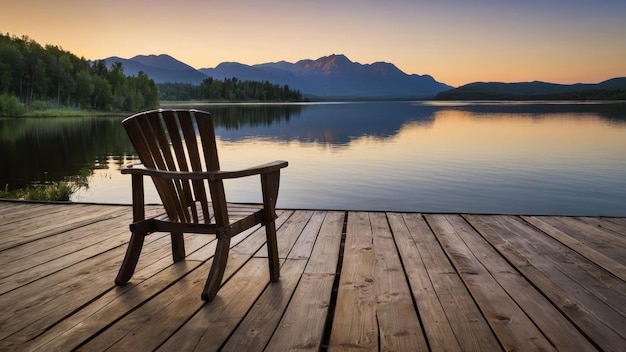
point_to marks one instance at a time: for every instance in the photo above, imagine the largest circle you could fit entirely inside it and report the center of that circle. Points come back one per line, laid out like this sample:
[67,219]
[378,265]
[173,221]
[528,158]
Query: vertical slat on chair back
[207,136]
[166,140]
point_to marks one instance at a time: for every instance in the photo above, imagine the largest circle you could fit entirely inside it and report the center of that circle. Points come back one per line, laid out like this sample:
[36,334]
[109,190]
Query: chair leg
[269,186]
[272,250]
[130,260]
[178,246]
[216,274]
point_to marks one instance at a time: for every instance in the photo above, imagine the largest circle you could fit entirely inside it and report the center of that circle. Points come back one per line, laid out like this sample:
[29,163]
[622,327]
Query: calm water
[403,156]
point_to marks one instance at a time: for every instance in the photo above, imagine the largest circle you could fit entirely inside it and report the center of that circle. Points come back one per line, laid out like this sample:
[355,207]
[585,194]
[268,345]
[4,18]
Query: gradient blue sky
[457,42]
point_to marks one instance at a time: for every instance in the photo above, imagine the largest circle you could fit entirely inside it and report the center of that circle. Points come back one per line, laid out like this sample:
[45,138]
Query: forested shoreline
[35,77]
[230,89]
[46,80]
[38,78]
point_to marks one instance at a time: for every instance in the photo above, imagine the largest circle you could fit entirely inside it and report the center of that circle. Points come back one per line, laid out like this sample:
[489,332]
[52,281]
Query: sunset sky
[457,41]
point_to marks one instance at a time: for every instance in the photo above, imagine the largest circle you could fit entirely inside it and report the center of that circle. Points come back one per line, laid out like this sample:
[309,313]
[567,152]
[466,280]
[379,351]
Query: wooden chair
[177,150]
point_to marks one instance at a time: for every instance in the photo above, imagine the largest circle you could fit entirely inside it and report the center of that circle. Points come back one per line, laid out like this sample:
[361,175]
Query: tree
[11,60]
[84,89]
[102,96]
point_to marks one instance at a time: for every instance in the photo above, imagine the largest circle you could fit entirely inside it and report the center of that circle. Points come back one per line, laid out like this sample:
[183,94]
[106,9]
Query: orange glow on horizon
[489,42]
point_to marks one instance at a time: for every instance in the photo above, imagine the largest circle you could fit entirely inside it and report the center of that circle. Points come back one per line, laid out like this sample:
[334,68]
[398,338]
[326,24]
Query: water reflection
[328,123]
[337,124]
[407,156]
[234,117]
[51,149]
[610,112]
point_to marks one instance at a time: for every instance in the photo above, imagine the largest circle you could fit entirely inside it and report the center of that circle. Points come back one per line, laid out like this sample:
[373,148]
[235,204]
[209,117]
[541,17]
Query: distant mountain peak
[328,76]
[385,68]
[162,61]
[338,58]
[151,57]
[230,64]
[161,68]
[326,65]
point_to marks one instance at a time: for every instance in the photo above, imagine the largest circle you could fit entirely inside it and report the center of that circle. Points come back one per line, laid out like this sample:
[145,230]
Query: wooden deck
[349,280]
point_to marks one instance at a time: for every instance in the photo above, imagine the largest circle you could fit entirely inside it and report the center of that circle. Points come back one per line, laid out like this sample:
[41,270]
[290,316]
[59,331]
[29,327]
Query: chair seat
[241,217]
[236,212]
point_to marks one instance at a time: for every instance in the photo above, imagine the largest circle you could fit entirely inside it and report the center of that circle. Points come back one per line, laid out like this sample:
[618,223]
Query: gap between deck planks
[349,280]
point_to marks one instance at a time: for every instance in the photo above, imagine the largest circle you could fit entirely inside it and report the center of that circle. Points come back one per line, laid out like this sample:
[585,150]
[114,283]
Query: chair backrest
[180,140]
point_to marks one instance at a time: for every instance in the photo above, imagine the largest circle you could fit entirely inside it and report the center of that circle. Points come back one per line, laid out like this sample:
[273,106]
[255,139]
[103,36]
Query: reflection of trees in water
[59,149]
[52,149]
[337,124]
[55,149]
[237,116]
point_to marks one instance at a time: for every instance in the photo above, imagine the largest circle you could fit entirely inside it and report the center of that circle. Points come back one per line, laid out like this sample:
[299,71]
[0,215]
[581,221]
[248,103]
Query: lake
[469,157]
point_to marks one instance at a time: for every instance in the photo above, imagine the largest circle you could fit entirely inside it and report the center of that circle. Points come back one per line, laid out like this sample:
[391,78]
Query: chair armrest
[124,169]
[204,175]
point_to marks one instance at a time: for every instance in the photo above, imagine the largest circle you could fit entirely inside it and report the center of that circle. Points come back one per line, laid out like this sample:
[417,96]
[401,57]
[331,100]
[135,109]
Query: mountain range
[332,76]
[612,89]
[335,77]
[160,68]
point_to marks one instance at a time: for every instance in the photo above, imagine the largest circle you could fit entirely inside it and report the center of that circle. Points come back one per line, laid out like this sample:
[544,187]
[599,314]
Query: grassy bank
[51,191]
[10,106]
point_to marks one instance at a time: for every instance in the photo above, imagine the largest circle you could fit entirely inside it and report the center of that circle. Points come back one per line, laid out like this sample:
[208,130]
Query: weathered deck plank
[556,328]
[537,258]
[259,324]
[465,318]
[399,328]
[302,325]
[437,327]
[349,280]
[354,324]
[506,318]
[601,247]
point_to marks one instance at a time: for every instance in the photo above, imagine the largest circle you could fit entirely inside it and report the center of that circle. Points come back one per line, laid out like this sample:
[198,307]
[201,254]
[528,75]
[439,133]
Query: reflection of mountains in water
[339,123]
[329,123]
[612,112]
